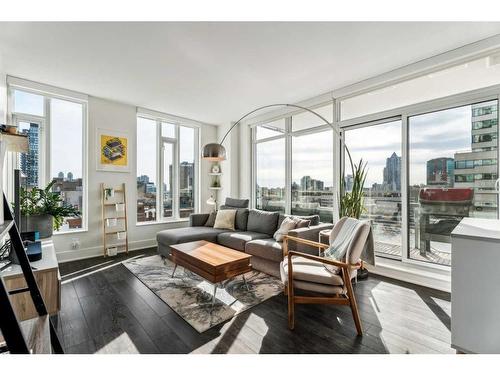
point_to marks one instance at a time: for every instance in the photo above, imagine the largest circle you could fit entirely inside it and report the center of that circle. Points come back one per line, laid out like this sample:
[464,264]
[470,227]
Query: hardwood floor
[106,309]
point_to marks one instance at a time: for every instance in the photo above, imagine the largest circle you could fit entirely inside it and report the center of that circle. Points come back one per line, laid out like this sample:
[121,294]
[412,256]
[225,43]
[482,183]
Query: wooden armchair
[308,273]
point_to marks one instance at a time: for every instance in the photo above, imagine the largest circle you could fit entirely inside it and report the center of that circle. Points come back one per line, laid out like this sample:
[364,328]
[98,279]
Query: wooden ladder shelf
[113,197]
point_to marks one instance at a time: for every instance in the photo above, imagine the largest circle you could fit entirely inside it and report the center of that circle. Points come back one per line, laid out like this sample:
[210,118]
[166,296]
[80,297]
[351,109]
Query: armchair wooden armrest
[332,262]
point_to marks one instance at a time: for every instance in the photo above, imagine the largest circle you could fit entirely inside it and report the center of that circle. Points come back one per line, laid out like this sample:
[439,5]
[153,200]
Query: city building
[477,168]
[392,173]
[440,172]
[29,160]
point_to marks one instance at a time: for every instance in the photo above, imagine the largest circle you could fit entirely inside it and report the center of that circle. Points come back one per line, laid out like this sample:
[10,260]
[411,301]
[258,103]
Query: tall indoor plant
[351,202]
[43,210]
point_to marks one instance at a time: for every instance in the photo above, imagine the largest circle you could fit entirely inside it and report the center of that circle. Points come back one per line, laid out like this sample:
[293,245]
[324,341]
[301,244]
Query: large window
[382,203]
[294,164]
[312,175]
[270,175]
[452,173]
[166,170]
[55,128]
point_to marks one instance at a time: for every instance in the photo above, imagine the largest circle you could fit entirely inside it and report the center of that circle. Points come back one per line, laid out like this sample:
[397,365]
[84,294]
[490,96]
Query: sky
[67,136]
[66,130]
[146,146]
[432,135]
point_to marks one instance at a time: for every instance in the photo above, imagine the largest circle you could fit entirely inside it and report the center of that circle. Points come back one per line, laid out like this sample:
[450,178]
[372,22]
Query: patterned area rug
[190,296]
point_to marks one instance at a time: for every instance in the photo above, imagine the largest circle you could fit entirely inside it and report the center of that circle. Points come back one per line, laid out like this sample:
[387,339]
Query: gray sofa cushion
[211,219]
[266,248]
[182,235]
[241,220]
[237,203]
[237,240]
[262,222]
[314,219]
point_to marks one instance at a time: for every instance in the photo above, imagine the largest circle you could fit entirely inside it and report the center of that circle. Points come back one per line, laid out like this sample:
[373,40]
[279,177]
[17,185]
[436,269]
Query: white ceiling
[215,72]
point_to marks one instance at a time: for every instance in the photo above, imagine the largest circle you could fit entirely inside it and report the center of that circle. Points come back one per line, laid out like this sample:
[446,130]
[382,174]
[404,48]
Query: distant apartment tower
[478,168]
[440,172]
[29,160]
[392,173]
[310,184]
[186,176]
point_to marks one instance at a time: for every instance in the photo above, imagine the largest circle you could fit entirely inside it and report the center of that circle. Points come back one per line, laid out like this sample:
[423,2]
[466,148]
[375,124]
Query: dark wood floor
[106,309]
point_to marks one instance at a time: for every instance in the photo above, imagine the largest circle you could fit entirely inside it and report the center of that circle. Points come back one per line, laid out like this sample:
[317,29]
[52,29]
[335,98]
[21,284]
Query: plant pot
[38,223]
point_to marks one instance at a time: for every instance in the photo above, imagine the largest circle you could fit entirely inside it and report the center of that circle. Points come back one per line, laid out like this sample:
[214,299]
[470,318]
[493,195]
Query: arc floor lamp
[217,152]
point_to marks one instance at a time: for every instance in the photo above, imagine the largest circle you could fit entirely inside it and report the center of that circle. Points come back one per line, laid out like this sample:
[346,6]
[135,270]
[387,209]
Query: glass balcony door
[452,169]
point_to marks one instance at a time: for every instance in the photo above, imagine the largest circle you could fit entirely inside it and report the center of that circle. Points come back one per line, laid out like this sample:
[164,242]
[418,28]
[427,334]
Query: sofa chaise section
[168,237]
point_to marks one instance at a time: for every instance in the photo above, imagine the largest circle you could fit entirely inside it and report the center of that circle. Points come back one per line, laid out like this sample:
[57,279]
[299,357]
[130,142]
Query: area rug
[190,296]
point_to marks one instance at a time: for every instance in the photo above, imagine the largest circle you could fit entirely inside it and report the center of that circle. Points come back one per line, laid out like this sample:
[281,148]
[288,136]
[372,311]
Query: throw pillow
[211,219]
[225,219]
[301,223]
[287,225]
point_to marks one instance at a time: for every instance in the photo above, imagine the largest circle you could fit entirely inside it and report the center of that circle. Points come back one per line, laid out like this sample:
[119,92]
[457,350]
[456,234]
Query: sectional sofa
[253,235]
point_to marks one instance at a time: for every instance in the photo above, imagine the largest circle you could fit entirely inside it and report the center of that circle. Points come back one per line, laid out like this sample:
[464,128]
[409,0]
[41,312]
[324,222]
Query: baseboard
[92,252]
[414,274]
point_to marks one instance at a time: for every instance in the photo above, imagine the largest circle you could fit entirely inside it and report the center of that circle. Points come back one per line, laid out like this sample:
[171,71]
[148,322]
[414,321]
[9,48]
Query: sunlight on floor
[121,344]
[390,306]
[96,270]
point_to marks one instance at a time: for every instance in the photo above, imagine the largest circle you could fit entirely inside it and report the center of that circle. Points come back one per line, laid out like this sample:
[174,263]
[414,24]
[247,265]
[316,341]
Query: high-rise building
[29,160]
[440,172]
[477,168]
[186,176]
[60,175]
[392,173]
[70,176]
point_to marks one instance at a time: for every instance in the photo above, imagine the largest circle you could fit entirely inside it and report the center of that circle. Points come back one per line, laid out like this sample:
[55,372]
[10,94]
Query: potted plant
[43,210]
[351,202]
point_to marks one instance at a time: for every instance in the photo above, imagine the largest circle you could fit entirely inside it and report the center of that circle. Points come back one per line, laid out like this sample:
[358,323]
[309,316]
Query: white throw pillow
[286,225]
[225,219]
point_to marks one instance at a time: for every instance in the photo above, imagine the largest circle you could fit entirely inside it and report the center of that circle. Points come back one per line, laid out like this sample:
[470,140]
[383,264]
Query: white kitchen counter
[475,286]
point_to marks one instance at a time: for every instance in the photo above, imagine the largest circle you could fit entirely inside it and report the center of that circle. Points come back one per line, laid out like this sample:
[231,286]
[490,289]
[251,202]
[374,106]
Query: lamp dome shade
[214,152]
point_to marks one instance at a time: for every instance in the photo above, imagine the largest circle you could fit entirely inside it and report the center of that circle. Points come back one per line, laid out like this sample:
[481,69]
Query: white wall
[113,115]
[3,94]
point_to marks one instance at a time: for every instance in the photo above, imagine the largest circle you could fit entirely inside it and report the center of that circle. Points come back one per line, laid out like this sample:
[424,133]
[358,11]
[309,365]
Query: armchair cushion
[312,271]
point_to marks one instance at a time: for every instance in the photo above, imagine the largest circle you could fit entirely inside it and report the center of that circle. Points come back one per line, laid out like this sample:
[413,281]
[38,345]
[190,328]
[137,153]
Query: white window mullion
[159,172]
[405,163]
[175,172]
[288,165]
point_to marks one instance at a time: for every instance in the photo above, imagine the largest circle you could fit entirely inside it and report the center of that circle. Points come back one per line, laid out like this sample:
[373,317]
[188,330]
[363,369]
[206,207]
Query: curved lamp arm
[216,152]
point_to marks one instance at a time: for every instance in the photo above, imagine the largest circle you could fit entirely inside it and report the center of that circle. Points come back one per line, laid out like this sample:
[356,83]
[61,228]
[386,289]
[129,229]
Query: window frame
[49,92]
[288,135]
[159,118]
[435,105]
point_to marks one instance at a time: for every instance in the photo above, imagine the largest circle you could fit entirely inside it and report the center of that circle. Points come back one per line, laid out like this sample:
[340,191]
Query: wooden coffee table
[213,262]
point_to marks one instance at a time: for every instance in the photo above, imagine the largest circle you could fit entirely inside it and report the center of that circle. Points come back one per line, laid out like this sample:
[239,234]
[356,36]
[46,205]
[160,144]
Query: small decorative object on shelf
[109,193]
[215,168]
[114,219]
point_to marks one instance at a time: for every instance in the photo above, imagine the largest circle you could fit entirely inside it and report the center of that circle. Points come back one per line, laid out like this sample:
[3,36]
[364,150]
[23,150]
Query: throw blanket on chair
[350,229]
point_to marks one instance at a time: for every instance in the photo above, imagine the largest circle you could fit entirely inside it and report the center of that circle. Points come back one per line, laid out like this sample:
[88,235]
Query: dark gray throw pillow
[237,203]
[211,219]
[262,222]
[241,217]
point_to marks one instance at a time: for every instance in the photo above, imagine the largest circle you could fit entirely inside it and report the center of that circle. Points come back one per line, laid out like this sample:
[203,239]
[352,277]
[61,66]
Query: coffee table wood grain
[213,262]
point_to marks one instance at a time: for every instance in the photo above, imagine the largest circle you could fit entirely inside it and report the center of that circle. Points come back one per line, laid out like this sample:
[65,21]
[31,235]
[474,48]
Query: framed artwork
[112,155]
